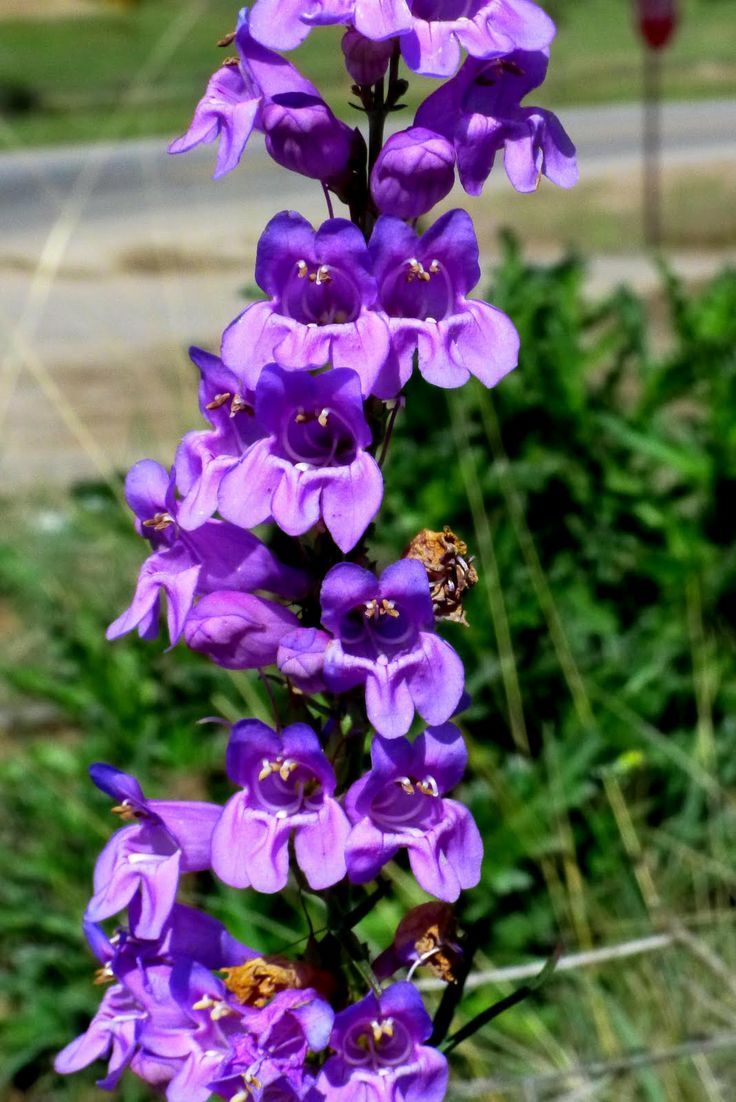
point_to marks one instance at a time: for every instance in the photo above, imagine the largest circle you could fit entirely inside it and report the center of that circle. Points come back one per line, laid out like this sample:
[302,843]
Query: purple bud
[303,135]
[365,61]
[415,169]
[237,630]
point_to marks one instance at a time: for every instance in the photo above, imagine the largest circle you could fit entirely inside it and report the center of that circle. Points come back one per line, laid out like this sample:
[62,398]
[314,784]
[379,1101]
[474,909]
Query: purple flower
[287,788]
[273,1049]
[312,463]
[432,31]
[186,564]
[203,457]
[480,112]
[399,804]
[265,92]
[322,292]
[422,285]
[384,637]
[379,1055]
[238,630]
[366,61]
[414,170]
[112,1034]
[142,862]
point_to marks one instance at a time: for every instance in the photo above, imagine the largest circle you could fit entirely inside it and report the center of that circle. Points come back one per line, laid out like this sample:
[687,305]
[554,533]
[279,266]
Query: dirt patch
[147,260]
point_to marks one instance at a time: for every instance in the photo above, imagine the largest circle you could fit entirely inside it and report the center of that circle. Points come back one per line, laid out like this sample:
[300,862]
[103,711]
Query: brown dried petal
[450,571]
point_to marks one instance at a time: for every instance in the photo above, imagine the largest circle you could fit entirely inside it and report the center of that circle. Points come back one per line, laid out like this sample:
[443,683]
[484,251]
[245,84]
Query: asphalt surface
[114,258]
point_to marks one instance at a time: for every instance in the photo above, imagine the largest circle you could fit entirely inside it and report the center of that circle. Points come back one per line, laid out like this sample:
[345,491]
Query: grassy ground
[595,488]
[139,72]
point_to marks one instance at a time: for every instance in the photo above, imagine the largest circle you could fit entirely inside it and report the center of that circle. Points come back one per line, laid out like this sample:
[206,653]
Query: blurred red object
[657,21]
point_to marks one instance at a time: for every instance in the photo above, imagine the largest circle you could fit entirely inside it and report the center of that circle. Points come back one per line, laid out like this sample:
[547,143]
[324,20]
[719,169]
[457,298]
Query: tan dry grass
[50,9]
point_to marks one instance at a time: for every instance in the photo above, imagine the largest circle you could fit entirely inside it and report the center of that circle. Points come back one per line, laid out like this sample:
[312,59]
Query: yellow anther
[205,1003]
[287,768]
[434,267]
[302,270]
[103,975]
[219,400]
[416,270]
[159,521]
[239,405]
[381,1029]
[428,787]
[375,609]
[125,811]
[322,275]
[406,784]
[301,417]
[322,418]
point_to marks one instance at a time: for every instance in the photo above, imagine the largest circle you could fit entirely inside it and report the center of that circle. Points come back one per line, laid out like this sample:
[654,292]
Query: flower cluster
[299,407]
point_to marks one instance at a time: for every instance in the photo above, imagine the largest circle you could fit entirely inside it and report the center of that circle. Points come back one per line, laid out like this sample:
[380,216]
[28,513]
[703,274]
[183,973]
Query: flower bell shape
[379,1051]
[322,293]
[399,804]
[204,456]
[186,564]
[287,788]
[312,463]
[414,170]
[422,284]
[142,862]
[384,638]
[264,92]
[480,112]
[238,631]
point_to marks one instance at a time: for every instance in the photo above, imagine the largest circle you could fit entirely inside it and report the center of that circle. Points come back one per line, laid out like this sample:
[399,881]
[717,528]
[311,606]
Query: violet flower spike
[313,461]
[265,92]
[287,788]
[399,804]
[422,284]
[187,564]
[322,293]
[480,112]
[379,1051]
[143,861]
[384,637]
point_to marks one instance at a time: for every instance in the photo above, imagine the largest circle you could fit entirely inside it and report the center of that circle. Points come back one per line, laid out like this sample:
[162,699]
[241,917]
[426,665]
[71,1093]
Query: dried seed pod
[450,571]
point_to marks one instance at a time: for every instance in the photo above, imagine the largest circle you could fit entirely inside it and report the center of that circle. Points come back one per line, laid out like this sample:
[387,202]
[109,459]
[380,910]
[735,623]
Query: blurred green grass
[139,72]
[596,487]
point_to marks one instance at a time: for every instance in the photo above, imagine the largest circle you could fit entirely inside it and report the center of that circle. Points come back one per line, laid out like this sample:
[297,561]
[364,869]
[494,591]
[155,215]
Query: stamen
[384,1028]
[322,418]
[416,270]
[217,1008]
[239,405]
[103,975]
[159,521]
[428,787]
[373,610]
[227,40]
[126,811]
[302,270]
[322,275]
[287,768]
[231,62]
[301,417]
[218,400]
[406,784]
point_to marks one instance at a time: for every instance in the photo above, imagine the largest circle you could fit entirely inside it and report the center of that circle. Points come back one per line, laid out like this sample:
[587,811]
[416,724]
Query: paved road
[107,269]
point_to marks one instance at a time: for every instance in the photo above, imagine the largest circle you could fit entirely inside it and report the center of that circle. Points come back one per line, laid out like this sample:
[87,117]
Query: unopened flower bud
[365,61]
[415,169]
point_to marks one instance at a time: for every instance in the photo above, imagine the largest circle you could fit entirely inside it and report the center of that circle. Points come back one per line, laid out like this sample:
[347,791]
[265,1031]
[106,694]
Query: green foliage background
[596,487]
